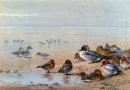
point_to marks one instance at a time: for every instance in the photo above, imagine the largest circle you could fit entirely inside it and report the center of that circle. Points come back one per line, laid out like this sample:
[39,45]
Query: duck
[26,53]
[66,67]
[94,76]
[115,48]
[104,52]
[110,68]
[19,52]
[48,66]
[87,55]
[42,54]
[124,63]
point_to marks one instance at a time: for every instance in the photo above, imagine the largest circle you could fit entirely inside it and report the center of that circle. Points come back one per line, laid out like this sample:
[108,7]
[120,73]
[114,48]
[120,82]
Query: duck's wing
[88,56]
[45,65]
[68,68]
[65,68]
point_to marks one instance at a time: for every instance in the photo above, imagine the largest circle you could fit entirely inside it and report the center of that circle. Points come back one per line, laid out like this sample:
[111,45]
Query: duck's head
[51,61]
[21,48]
[124,59]
[99,48]
[85,48]
[114,45]
[76,56]
[68,61]
[104,62]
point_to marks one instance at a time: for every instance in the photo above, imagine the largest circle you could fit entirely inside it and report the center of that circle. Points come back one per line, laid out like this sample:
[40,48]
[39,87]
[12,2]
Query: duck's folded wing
[68,68]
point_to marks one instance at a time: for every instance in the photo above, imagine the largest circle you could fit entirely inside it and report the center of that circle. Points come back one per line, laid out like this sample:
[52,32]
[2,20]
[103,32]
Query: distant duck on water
[44,55]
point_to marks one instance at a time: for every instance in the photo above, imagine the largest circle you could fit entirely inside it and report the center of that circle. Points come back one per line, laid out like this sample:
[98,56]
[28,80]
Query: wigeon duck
[66,67]
[48,66]
[87,55]
[96,75]
[109,68]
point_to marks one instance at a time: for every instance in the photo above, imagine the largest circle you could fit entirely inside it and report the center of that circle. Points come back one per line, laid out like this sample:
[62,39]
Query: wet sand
[118,82]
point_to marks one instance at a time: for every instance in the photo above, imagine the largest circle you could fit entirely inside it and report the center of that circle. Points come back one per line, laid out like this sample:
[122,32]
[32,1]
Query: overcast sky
[64,13]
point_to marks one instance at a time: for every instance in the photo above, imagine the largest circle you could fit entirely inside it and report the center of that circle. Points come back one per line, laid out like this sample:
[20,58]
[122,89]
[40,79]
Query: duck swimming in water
[44,55]
[66,67]
[19,52]
[26,53]
[48,66]
[87,55]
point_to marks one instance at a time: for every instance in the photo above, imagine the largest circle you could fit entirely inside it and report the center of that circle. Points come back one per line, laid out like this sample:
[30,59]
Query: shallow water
[35,77]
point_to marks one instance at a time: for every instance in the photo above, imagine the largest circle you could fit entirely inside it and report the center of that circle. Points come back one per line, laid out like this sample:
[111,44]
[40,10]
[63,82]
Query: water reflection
[31,77]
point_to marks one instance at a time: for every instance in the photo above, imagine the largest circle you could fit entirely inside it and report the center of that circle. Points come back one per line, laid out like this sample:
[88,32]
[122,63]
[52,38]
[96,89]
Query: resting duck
[124,63]
[44,55]
[66,67]
[104,52]
[87,55]
[48,66]
[109,68]
[96,75]
[19,52]
[27,53]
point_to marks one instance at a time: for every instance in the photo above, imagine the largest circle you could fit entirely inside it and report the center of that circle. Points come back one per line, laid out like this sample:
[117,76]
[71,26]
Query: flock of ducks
[113,61]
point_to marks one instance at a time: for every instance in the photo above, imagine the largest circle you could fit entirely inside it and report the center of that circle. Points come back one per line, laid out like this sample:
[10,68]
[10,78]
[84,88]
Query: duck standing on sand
[109,68]
[96,75]
[124,63]
[87,55]
[66,67]
[48,66]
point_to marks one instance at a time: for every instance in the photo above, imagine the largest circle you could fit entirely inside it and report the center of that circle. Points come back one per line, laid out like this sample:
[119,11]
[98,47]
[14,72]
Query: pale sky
[64,13]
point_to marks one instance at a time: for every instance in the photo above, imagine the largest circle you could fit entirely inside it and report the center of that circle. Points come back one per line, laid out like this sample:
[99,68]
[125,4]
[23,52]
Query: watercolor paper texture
[58,29]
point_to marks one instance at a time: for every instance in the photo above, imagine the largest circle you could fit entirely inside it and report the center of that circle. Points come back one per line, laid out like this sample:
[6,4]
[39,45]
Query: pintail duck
[87,55]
